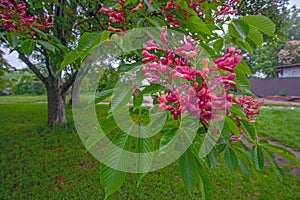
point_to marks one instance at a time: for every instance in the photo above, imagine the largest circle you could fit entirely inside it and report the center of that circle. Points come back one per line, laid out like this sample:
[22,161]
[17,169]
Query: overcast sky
[15,62]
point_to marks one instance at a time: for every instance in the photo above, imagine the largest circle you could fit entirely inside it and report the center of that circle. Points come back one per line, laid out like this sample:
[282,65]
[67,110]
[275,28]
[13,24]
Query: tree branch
[47,62]
[69,82]
[32,67]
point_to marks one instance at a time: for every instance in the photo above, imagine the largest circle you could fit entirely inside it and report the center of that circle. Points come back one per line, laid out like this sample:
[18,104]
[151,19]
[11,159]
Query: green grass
[281,125]
[37,162]
[23,98]
[281,105]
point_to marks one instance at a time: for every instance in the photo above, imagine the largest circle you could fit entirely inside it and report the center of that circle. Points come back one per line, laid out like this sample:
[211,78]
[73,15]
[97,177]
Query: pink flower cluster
[230,60]
[250,106]
[119,16]
[15,18]
[224,9]
[194,91]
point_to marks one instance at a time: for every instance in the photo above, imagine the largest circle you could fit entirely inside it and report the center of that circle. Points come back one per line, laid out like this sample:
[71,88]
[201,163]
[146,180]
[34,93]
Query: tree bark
[56,101]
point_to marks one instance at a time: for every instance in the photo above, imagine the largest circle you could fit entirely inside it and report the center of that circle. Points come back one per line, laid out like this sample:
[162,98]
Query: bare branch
[69,82]
[32,67]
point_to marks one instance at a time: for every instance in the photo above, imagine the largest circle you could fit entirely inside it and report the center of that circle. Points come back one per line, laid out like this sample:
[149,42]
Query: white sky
[297,2]
[15,62]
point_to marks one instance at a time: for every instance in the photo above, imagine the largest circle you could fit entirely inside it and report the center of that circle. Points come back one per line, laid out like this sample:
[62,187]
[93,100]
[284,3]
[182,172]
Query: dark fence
[275,86]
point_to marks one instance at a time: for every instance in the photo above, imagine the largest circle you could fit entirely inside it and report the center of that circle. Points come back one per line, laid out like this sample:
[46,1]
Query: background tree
[264,59]
[290,54]
[4,68]
[43,32]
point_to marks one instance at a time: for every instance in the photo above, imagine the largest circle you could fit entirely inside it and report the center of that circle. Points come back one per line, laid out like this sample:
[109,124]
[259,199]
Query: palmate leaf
[154,87]
[282,151]
[257,157]
[27,47]
[138,100]
[69,58]
[88,41]
[144,146]
[116,157]
[168,140]
[271,159]
[239,29]
[245,161]
[188,170]
[197,25]
[242,66]
[206,187]
[231,159]
[47,45]
[218,44]
[249,129]
[212,158]
[255,36]
[12,39]
[242,82]
[261,23]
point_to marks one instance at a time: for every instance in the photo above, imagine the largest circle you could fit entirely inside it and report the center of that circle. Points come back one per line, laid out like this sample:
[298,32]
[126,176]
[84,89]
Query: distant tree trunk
[56,101]
[56,91]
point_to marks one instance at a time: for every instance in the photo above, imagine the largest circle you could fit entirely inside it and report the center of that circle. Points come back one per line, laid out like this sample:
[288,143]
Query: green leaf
[128,67]
[257,157]
[249,129]
[218,44]
[244,68]
[272,160]
[283,152]
[144,159]
[168,139]
[232,31]
[244,159]
[13,39]
[111,179]
[212,158]
[27,47]
[244,45]
[69,58]
[154,87]
[121,97]
[47,45]
[151,7]
[231,159]
[99,97]
[88,41]
[40,33]
[206,186]
[188,170]
[197,24]
[233,127]
[242,82]
[241,27]
[237,110]
[243,167]
[138,100]
[255,36]
[94,137]
[116,157]
[262,23]
[229,128]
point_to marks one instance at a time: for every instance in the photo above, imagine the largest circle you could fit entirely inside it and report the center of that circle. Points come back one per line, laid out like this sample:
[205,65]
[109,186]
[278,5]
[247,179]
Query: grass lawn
[37,162]
[23,98]
[282,125]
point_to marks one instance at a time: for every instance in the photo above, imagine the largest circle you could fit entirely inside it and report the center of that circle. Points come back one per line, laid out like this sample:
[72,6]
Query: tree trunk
[56,101]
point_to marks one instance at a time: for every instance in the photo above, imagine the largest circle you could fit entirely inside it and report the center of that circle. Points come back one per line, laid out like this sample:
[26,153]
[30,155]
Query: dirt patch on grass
[279,159]
[284,99]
